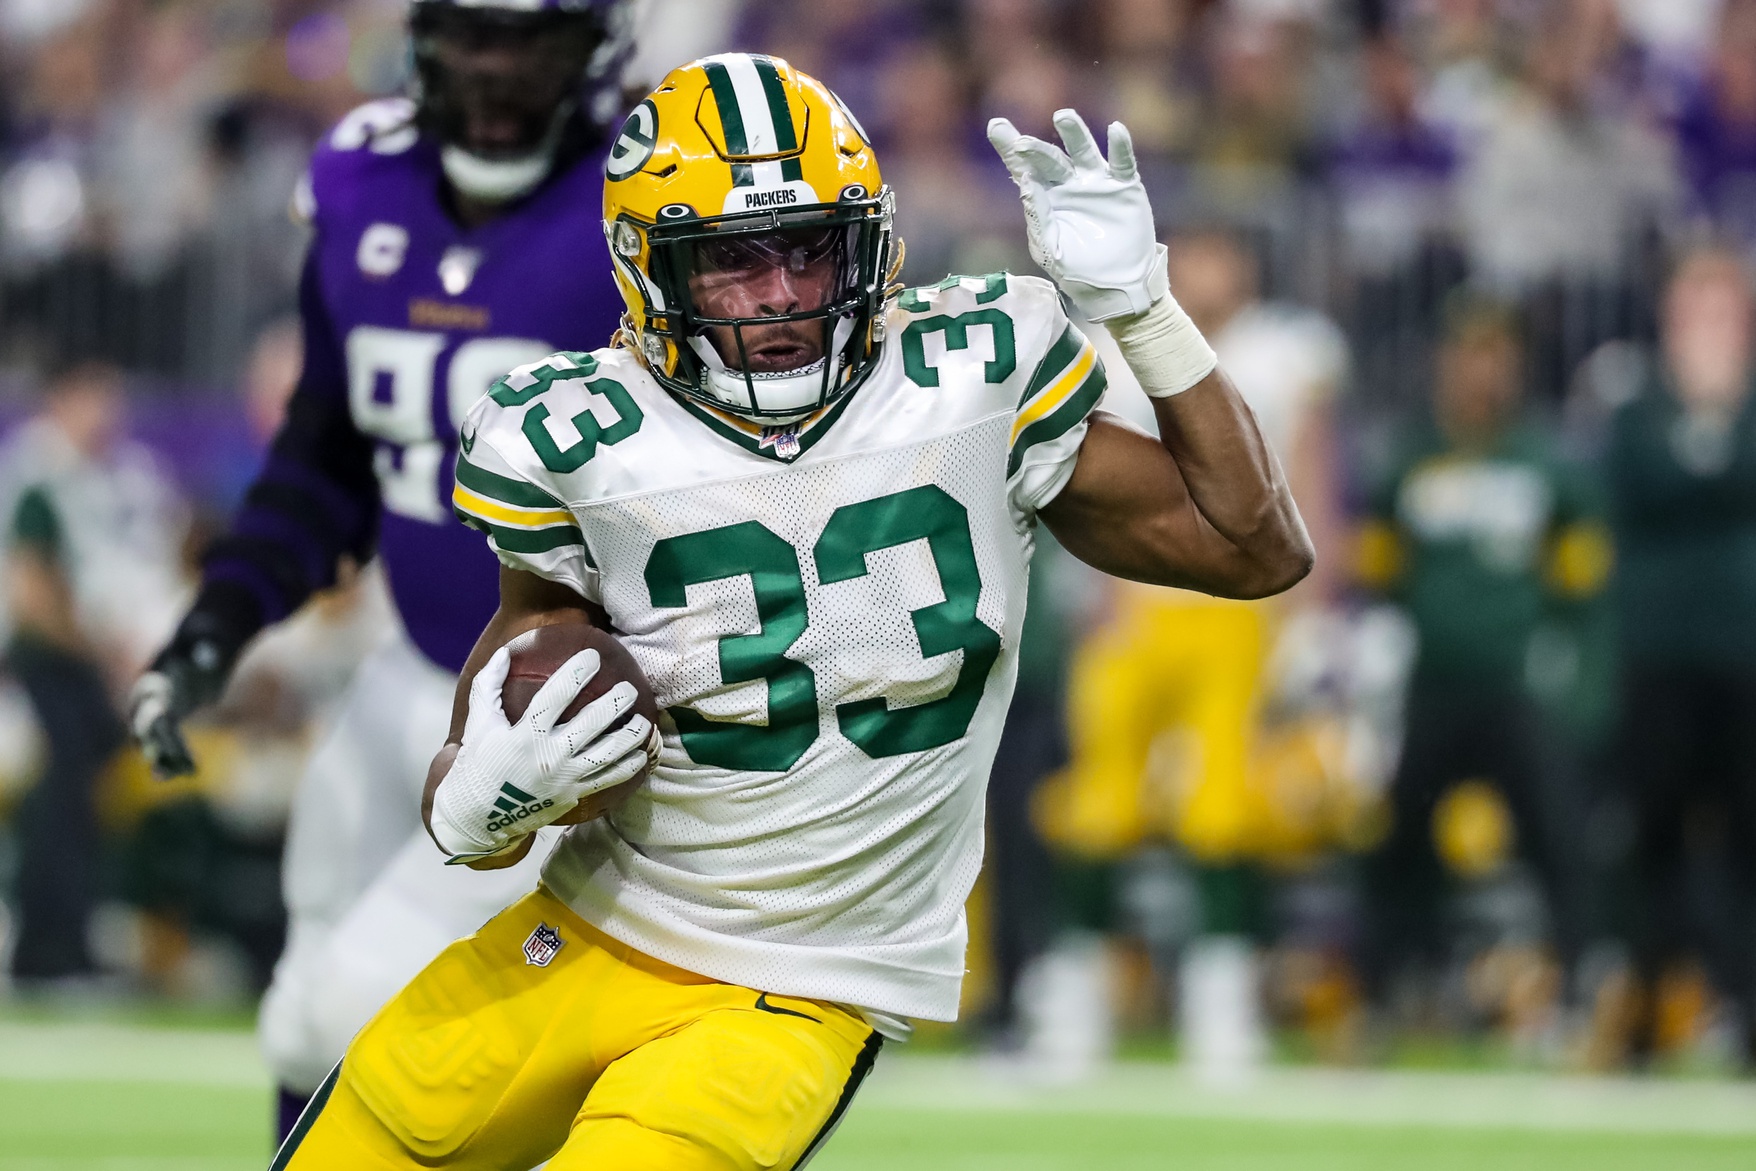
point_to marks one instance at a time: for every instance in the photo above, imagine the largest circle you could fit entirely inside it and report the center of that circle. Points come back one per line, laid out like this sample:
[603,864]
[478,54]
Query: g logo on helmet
[635,144]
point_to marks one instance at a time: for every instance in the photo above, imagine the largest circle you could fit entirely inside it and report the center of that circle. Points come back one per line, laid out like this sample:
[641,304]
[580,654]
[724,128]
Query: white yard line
[129,1053]
[1400,1098]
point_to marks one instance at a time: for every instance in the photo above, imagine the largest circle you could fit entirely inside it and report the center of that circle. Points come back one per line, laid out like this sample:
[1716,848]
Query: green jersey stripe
[517,493]
[786,136]
[747,442]
[1061,420]
[750,443]
[725,98]
[1059,357]
[526,540]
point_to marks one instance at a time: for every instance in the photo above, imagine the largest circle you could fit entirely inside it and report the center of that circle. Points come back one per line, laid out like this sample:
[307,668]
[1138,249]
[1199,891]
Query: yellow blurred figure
[1166,697]
[1472,829]
[1160,667]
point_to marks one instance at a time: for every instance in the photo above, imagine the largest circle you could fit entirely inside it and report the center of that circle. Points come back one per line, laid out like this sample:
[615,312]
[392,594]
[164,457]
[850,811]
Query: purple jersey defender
[409,318]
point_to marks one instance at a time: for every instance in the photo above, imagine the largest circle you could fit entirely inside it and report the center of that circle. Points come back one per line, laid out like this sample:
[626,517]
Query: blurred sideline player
[1172,667]
[1483,533]
[807,506]
[454,238]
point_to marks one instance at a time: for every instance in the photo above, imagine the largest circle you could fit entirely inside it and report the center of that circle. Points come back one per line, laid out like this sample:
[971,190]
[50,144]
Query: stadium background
[1350,186]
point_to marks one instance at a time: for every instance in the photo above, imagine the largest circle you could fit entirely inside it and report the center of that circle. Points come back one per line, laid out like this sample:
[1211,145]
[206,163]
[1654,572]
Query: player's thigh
[736,1090]
[285,1028]
[355,812]
[358,800]
[1112,695]
[1221,694]
[414,909]
[1115,709]
[466,1068]
[424,693]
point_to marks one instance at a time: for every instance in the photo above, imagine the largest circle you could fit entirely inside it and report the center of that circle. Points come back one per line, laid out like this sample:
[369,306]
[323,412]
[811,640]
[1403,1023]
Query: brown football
[542,653]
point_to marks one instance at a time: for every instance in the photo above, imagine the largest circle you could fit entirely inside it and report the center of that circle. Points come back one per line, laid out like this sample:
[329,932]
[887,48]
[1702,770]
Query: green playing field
[111,1097]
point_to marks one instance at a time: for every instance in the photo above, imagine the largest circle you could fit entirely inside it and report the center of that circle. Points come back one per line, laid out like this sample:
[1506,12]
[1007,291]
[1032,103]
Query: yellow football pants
[1191,665]
[508,1050]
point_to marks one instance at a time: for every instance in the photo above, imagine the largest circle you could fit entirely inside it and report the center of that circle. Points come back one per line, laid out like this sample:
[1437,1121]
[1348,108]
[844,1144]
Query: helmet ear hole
[627,239]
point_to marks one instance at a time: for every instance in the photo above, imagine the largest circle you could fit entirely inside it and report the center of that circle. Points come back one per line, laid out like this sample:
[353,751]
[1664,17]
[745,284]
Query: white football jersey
[829,614]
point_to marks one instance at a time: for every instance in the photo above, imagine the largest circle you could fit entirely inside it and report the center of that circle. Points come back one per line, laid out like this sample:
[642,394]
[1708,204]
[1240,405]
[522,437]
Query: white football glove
[510,779]
[1089,222]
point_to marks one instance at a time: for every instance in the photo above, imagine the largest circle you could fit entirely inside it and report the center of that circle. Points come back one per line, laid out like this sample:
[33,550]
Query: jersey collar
[782,444]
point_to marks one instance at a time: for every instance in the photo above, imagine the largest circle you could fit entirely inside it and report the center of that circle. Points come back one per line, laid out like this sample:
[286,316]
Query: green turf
[129,1126]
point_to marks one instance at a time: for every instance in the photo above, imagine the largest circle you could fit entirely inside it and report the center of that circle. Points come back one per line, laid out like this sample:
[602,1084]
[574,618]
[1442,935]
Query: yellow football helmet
[739,168]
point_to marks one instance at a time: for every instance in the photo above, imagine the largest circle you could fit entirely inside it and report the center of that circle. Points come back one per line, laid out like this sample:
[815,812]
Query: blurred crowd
[1483,270]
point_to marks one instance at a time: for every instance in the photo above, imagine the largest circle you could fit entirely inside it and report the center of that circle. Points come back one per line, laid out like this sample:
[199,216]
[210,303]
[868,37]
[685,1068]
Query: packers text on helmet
[752,235]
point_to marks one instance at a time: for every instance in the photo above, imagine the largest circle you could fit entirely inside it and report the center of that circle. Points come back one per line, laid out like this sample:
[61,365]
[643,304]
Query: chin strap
[730,386]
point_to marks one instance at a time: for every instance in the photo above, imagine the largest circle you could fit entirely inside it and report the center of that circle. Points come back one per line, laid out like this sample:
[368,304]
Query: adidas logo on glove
[514,805]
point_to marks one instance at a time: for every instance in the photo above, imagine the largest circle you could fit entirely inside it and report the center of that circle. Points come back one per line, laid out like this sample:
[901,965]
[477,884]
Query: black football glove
[190,673]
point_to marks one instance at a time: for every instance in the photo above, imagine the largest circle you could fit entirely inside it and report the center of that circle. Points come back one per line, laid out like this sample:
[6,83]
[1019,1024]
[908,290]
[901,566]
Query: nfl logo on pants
[542,945]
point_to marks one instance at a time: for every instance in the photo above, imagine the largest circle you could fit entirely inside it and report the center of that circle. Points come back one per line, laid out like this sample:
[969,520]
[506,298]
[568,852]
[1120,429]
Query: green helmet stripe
[725,97]
[786,135]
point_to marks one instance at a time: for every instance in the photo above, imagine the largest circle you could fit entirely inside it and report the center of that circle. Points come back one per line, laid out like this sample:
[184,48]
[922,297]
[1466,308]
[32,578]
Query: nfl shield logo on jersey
[542,945]
[784,440]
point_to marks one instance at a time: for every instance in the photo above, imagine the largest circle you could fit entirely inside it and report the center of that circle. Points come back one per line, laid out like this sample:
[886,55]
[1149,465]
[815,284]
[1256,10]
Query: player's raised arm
[1206,506]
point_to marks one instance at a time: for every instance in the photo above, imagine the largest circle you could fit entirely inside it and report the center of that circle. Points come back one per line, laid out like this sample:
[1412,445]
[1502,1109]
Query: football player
[806,505]
[455,236]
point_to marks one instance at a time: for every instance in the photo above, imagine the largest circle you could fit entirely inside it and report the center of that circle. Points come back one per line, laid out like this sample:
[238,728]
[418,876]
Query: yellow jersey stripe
[757,430]
[1057,393]
[505,514]
[753,430]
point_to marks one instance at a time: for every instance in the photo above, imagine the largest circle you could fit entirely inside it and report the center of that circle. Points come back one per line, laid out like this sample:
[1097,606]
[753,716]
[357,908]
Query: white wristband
[1163,348]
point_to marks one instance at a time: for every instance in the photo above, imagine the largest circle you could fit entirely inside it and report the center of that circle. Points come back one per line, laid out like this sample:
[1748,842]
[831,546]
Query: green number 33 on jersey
[535,380]
[753,550]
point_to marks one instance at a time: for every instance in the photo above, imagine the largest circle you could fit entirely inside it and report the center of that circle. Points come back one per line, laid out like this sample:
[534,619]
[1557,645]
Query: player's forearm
[1246,539]
[1237,485]
[526,602]
[515,615]
[315,500]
